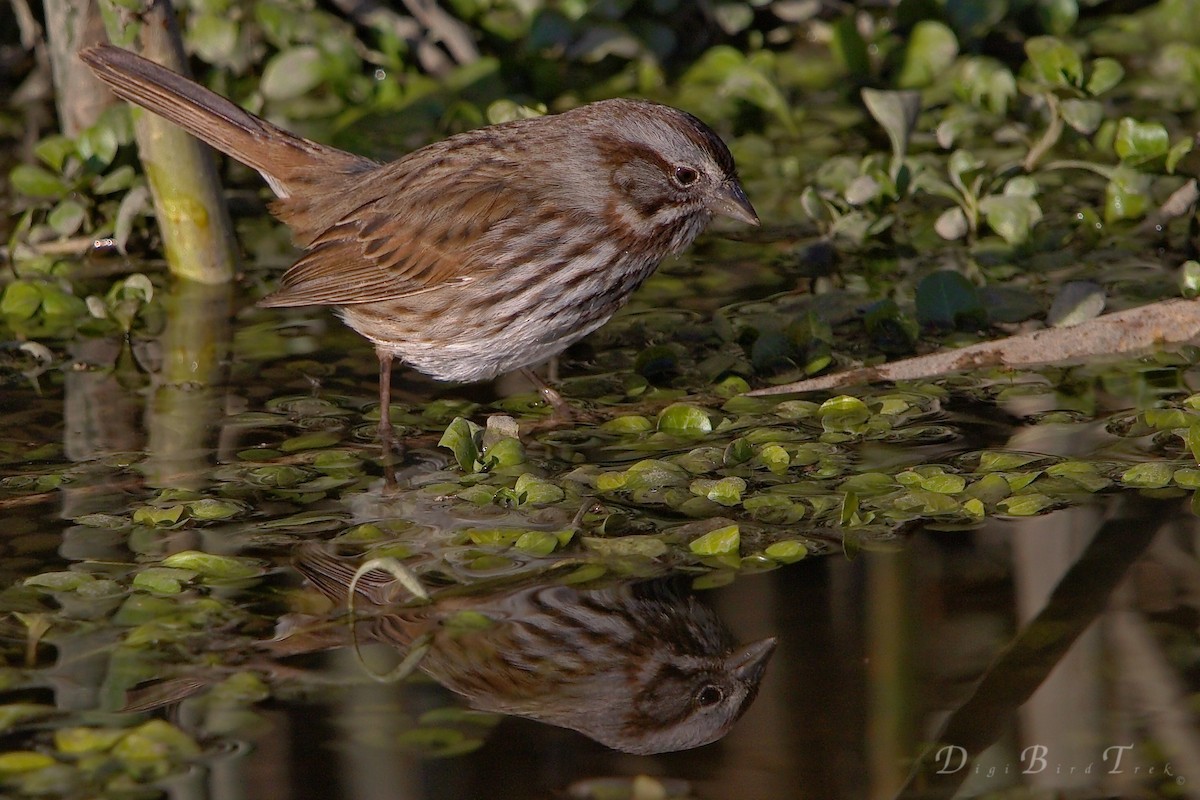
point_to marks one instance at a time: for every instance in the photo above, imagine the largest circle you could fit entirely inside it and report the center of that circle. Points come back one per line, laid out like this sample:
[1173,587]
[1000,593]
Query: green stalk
[197,233]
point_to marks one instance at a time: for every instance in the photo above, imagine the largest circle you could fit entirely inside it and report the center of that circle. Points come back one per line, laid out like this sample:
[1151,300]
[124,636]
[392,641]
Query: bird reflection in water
[640,667]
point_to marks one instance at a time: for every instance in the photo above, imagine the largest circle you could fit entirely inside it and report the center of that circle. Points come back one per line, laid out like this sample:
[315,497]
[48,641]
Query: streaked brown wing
[418,230]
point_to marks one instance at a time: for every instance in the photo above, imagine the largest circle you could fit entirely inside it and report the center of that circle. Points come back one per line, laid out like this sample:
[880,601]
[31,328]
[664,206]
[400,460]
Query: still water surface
[1050,656]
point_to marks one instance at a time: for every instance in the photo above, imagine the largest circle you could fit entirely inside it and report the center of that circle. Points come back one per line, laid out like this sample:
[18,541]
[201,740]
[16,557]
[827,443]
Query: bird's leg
[562,409]
[387,438]
[385,397]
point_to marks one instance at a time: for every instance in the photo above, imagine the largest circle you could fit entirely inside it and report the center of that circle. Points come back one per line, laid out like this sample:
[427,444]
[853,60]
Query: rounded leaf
[931,49]
[292,73]
[1054,61]
[21,300]
[1076,302]
[1106,74]
[952,224]
[36,182]
[212,566]
[787,551]
[683,418]
[1141,140]
[722,541]
[66,217]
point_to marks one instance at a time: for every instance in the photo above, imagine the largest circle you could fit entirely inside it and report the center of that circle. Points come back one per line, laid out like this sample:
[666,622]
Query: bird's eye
[686,176]
[709,695]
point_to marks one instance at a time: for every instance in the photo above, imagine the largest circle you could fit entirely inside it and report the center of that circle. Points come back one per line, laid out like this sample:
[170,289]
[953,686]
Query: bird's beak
[730,201]
[749,662]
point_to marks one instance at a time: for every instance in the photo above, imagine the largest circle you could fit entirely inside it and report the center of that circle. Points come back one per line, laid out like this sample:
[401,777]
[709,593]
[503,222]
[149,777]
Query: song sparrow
[639,667]
[484,253]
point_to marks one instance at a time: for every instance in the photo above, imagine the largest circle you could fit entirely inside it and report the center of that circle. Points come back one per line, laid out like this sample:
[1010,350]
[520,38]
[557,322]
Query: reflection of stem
[1023,665]
[1049,138]
[181,417]
[890,734]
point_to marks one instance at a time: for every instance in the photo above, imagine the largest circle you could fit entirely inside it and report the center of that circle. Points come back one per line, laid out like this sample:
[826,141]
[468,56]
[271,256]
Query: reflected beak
[750,661]
[730,201]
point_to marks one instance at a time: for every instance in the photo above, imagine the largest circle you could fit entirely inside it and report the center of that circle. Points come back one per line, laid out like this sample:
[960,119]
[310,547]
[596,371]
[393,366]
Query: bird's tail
[285,160]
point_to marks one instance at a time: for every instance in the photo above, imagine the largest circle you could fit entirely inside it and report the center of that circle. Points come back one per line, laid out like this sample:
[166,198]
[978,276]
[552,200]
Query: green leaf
[653,473]
[952,224]
[66,218]
[1127,194]
[844,414]
[462,437]
[1025,505]
[897,112]
[1150,475]
[17,761]
[213,37]
[1141,141]
[98,144]
[154,741]
[33,181]
[162,580]
[1084,116]
[506,110]
[21,300]
[1187,478]
[787,551]
[1012,218]
[13,714]
[118,180]
[773,509]
[1176,154]
[1058,16]
[537,543]
[1189,279]
[1002,461]
[54,150]
[685,419]
[726,491]
[944,484]
[639,546]
[629,423]
[960,165]
[722,541]
[537,491]
[212,566]
[158,517]
[292,73]
[1106,74]
[1082,473]
[986,83]
[210,508]
[946,299]
[504,452]
[314,440]
[1055,62]
[1076,302]
[610,481]
[975,508]
[59,581]
[931,49]
[774,458]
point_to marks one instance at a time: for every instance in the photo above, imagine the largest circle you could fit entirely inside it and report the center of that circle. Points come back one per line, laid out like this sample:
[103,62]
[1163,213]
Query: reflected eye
[709,695]
[686,176]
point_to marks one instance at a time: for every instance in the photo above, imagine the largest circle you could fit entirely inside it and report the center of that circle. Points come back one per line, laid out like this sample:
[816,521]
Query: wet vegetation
[929,176]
